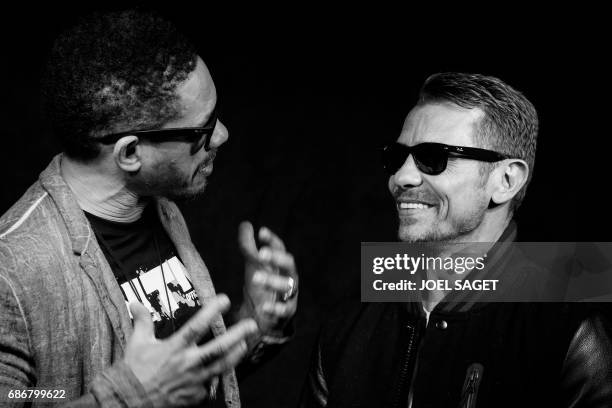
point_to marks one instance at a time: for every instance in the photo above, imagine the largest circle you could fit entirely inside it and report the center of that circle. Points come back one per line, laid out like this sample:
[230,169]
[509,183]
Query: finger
[221,345]
[268,237]
[281,259]
[246,240]
[143,324]
[230,360]
[212,387]
[197,326]
[225,363]
[280,310]
[269,281]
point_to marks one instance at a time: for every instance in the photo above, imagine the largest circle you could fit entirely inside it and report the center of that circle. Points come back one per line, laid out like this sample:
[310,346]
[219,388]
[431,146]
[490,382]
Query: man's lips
[206,170]
[207,165]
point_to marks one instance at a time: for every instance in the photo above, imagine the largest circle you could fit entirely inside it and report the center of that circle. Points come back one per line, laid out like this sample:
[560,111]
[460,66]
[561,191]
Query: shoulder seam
[24,217]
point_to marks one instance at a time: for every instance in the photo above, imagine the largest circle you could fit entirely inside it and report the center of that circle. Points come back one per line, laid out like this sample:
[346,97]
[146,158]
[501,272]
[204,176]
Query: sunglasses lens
[207,132]
[203,141]
[393,157]
[430,158]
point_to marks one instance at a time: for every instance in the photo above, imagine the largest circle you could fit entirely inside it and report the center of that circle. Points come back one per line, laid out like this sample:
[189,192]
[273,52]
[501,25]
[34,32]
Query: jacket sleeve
[115,387]
[587,369]
[16,363]
[315,391]
[261,348]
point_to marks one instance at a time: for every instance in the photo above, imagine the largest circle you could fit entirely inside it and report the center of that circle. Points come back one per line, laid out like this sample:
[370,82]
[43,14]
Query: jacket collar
[499,257]
[78,227]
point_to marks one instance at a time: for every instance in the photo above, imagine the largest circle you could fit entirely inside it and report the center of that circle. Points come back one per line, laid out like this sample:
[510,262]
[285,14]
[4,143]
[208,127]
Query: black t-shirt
[148,269]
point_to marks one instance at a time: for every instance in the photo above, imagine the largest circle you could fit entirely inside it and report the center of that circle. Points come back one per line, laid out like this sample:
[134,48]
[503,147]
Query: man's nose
[408,175]
[219,136]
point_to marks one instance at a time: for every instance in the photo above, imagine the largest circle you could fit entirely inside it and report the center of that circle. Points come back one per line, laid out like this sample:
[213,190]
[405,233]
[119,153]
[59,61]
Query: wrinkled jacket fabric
[63,320]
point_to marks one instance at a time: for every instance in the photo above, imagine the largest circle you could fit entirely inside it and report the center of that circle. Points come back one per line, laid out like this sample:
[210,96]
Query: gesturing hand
[174,371]
[271,280]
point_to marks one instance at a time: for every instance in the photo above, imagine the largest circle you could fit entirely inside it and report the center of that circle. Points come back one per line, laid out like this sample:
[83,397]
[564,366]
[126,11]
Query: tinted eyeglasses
[198,136]
[432,158]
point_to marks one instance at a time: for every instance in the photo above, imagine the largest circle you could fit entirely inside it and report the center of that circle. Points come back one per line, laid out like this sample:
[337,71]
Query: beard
[168,180]
[455,228]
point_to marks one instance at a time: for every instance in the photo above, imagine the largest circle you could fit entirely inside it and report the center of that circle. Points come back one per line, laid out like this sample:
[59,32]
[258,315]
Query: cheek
[461,197]
[170,171]
[181,162]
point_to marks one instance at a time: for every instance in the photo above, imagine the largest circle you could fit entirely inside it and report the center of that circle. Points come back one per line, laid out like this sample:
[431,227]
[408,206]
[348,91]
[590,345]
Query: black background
[308,95]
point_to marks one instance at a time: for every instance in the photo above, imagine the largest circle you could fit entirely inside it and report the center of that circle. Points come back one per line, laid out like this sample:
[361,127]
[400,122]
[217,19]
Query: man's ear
[127,154]
[510,177]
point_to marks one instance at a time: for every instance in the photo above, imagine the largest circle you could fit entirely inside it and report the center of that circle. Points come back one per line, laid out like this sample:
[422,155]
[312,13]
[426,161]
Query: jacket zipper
[405,366]
[470,386]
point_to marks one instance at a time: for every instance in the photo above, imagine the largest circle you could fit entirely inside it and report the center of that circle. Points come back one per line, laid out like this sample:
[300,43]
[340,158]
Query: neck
[487,233]
[100,190]
[490,229]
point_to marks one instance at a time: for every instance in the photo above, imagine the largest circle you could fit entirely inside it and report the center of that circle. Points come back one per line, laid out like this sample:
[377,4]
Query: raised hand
[176,372]
[271,279]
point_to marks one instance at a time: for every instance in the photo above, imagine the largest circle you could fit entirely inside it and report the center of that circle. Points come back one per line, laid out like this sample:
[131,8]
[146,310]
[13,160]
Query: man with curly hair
[90,254]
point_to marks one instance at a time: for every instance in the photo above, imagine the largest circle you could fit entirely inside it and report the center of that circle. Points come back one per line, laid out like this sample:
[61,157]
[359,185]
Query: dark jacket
[470,354]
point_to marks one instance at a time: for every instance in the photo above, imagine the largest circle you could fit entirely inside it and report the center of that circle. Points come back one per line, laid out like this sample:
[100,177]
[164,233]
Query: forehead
[440,123]
[197,94]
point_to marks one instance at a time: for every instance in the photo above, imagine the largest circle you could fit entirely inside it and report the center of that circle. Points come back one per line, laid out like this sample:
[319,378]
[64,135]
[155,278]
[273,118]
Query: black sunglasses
[198,136]
[432,158]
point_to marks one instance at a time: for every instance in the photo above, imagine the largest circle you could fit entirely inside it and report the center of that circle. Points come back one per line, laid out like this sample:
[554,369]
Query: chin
[187,194]
[421,232]
[411,233]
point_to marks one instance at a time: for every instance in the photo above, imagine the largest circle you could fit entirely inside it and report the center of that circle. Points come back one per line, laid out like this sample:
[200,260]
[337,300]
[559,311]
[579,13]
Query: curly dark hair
[112,72]
[510,125]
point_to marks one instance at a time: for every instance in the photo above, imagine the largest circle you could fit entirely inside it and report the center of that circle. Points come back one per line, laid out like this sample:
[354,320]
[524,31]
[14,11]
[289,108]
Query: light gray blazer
[63,320]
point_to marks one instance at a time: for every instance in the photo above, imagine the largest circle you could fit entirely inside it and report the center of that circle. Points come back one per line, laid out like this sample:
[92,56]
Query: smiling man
[104,300]
[458,172]
[451,206]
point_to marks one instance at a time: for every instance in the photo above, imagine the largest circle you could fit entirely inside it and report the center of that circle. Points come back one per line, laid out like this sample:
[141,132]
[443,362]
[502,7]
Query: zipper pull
[469,392]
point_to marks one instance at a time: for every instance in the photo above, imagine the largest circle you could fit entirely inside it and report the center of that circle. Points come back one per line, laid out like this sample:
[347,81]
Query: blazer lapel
[175,226]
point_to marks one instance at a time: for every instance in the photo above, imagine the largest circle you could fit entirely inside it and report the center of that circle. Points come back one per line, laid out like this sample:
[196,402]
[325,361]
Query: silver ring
[291,292]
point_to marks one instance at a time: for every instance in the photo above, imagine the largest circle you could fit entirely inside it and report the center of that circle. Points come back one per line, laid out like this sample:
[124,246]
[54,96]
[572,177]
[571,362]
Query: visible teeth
[406,206]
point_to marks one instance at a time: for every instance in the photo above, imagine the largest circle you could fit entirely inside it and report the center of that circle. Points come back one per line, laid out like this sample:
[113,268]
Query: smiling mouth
[207,166]
[204,169]
[401,205]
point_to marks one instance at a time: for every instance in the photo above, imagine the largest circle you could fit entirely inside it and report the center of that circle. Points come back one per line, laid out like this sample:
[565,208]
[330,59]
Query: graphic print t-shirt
[146,265]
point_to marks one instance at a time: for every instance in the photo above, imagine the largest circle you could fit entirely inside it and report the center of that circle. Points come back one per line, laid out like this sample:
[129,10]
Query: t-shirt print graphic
[170,298]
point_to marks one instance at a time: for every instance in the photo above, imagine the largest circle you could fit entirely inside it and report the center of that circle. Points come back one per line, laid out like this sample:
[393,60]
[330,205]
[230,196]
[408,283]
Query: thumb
[143,325]
[246,240]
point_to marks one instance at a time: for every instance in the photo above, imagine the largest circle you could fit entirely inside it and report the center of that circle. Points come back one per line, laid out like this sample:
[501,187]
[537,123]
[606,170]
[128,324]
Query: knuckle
[220,349]
[205,359]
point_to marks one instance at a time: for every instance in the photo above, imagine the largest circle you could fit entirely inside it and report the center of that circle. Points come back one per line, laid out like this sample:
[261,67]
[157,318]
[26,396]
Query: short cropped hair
[510,124]
[112,72]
